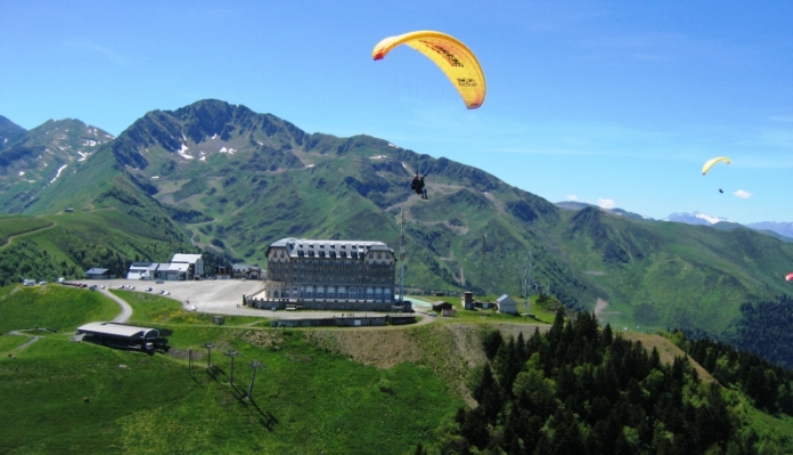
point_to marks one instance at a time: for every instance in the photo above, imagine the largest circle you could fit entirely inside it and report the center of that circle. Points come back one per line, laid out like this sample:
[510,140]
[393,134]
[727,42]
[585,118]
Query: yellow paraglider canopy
[452,57]
[713,161]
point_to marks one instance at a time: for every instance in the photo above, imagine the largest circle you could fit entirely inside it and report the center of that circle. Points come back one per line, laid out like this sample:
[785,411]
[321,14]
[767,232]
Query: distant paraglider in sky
[711,162]
[453,57]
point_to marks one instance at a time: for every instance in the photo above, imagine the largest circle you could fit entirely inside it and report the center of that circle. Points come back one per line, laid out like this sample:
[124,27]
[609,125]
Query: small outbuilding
[95,273]
[251,272]
[441,306]
[468,300]
[507,305]
[142,271]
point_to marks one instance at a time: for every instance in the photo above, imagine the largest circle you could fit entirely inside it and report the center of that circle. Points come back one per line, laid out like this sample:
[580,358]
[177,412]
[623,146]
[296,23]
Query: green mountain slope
[659,274]
[9,132]
[237,180]
[32,160]
[65,245]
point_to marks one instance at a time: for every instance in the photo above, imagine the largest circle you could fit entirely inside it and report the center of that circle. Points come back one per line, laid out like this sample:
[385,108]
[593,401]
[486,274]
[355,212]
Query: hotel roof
[328,248]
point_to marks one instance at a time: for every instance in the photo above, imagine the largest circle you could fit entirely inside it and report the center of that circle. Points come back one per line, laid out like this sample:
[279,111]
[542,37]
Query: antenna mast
[527,283]
[402,258]
[482,263]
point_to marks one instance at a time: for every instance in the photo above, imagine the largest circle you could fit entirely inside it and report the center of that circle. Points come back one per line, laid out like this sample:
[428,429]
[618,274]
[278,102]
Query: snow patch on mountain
[183,152]
[58,174]
[696,218]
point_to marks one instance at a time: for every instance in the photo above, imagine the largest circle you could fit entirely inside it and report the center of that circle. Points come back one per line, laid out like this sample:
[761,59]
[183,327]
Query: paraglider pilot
[417,185]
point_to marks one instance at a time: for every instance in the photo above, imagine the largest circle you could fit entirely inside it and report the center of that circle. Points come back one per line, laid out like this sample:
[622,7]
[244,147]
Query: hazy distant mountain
[233,181]
[9,132]
[781,228]
[696,218]
[574,205]
[782,231]
[35,159]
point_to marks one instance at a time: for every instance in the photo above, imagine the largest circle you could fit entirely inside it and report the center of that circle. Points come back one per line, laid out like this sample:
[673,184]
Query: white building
[330,274]
[507,305]
[141,271]
[185,267]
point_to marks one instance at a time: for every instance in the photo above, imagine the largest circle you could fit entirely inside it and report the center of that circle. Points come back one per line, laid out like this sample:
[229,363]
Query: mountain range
[231,181]
[783,230]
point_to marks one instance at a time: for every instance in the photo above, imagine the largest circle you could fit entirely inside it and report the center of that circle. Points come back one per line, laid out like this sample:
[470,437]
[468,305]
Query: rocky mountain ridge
[234,181]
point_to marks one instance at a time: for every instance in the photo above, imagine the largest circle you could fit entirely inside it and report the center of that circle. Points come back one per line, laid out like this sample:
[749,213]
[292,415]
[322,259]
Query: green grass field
[53,306]
[543,312]
[68,398]
[81,398]
[10,342]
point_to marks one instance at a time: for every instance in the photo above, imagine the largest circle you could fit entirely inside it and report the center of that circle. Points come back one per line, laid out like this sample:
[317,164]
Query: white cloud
[606,203]
[103,52]
[742,194]
[572,197]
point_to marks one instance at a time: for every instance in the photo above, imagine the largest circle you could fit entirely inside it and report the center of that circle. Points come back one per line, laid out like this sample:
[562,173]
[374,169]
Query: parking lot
[204,294]
[219,297]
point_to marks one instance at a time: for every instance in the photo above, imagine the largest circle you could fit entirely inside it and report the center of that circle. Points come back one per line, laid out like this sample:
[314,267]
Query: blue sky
[616,103]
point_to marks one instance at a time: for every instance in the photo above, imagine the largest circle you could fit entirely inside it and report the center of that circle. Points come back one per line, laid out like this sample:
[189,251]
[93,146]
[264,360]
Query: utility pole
[256,365]
[209,345]
[482,263]
[402,258]
[527,283]
[232,353]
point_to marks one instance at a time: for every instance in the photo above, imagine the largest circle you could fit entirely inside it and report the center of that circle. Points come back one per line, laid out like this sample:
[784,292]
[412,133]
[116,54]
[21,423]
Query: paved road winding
[126,310]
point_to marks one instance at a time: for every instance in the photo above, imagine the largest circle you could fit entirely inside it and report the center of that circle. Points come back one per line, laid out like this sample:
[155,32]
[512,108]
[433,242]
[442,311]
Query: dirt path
[28,343]
[10,238]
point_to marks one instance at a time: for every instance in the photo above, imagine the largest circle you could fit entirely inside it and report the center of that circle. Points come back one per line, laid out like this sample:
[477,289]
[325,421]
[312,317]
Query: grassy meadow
[337,391]
[53,306]
[67,397]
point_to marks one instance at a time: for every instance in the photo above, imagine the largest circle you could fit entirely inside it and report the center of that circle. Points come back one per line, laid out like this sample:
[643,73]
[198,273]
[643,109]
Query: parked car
[159,282]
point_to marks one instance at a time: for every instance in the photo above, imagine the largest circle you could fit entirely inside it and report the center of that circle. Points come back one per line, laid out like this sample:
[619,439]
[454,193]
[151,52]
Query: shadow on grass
[215,372]
[266,418]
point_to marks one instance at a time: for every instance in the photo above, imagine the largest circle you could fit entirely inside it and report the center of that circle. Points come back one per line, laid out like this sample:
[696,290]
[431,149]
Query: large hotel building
[329,274]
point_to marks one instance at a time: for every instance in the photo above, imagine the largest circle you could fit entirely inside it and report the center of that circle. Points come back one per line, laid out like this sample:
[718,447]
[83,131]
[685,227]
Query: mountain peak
[696,218]
[9,132]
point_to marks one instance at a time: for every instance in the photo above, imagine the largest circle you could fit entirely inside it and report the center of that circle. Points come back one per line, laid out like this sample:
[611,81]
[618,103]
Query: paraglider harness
[417,185]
